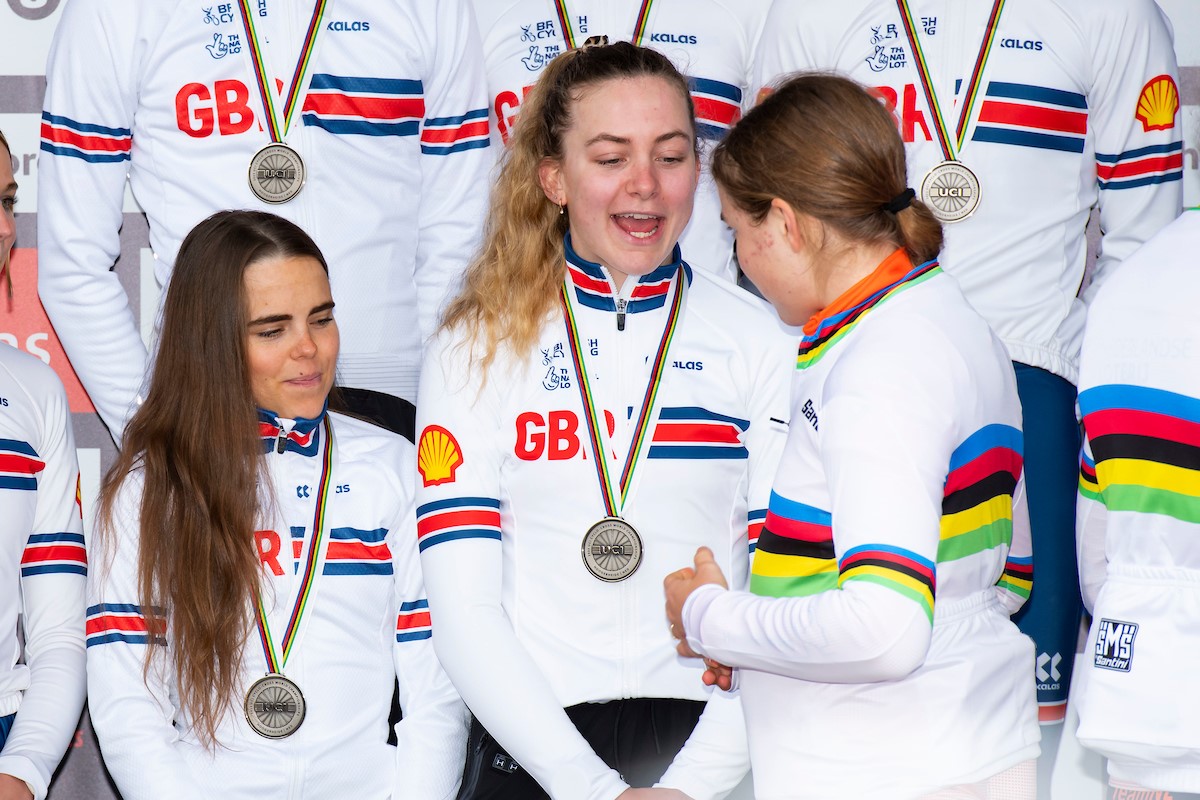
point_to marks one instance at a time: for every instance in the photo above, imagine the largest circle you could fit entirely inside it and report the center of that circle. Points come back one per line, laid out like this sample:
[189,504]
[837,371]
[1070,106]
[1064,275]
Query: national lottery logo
[1114,644]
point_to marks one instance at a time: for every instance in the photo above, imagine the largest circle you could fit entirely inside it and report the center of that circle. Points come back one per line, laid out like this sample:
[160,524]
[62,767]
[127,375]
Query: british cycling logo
[33,9]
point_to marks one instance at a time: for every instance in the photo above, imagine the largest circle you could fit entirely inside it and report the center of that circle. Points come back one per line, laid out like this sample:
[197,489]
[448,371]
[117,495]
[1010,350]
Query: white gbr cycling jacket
[366,625]
[508,491]
[392,130]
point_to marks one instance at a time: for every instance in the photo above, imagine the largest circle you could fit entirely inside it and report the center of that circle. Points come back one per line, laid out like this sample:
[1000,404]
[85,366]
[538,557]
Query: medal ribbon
[564,22]
[278,126]
[274,664]
[951,146]
[592,412]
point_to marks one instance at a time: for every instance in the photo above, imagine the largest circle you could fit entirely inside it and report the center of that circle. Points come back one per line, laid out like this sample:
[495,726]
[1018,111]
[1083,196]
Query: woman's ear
[789,224]
[550,178]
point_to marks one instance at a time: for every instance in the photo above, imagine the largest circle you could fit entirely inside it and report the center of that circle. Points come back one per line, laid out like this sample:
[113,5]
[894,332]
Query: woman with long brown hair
[42,556]
[592,411]
[875,652]
[257,592]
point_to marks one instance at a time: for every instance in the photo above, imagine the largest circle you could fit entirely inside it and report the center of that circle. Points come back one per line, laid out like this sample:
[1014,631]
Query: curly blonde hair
[511,286]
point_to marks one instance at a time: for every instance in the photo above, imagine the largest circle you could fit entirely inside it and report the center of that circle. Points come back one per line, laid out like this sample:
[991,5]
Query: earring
[561,209]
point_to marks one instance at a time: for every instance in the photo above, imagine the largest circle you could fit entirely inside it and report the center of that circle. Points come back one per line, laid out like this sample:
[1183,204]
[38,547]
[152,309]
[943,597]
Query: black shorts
[639,738]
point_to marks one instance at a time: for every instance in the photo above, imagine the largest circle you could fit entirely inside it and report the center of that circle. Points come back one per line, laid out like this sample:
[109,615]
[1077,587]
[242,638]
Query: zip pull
[281,441]
[621,303]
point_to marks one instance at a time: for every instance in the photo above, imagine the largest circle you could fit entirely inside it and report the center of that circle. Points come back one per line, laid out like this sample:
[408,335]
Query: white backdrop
[26,27]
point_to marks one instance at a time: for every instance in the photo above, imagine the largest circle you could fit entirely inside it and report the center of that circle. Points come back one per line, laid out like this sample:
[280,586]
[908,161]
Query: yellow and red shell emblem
[438,456]
[1158,104]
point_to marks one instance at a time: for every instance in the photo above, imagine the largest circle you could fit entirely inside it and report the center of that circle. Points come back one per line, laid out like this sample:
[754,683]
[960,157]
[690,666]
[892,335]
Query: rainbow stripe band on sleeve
[894,568]
[978,495]
[1146,448]
[831,330]
[1089,485]
[794,555]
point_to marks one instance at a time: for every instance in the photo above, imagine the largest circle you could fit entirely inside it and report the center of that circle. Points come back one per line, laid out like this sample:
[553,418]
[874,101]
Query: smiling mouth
[639,226]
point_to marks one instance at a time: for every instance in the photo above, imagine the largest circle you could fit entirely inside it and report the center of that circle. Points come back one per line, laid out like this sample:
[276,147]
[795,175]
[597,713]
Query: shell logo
[438,456]
[1158,104]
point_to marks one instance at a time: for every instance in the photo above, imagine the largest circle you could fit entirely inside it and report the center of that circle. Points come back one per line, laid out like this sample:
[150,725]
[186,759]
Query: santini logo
[810,414]
[1114,644]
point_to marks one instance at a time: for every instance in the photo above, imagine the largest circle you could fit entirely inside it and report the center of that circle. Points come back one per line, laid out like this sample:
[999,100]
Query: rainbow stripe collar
[894,275]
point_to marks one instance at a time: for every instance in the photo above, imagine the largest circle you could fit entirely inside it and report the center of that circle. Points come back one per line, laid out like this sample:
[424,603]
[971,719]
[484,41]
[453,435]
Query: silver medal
[612,550]
[274,707]
[276,173]
[951,191]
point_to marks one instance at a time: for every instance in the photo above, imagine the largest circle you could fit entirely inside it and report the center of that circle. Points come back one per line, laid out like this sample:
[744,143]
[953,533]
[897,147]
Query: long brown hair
[510,287]
[829,149]
[195,440]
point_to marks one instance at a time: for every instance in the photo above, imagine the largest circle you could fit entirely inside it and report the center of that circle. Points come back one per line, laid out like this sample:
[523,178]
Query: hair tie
[901,201]
[594,41]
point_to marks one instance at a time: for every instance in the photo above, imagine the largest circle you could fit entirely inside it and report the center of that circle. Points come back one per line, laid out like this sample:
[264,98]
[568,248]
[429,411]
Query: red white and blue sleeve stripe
[119,622]
[98,144]
[413,622]
[457,518]
[442,136]
[54,553]
[1144,166]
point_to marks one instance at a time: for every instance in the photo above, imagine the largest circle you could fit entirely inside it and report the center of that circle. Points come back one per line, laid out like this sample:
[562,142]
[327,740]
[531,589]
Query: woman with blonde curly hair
[592,410]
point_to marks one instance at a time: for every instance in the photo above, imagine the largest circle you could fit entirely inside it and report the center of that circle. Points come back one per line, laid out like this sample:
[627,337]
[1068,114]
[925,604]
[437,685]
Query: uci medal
[951,191]
[274,707]
[276,173]
[612,550]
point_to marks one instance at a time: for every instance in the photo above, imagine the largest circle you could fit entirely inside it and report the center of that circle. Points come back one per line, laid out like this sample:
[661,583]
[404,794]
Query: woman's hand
[14,789]
[678,586]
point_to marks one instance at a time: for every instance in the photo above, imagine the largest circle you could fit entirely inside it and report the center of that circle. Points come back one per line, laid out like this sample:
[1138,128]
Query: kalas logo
[1017,44]
[339,25]
[672,38]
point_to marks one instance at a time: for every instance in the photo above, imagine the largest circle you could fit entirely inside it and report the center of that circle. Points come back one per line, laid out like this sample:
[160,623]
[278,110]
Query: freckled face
[784,276]
[292,339]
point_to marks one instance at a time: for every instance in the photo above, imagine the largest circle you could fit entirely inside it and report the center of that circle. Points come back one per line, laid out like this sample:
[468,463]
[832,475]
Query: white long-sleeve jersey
[366,625]
[44,564]
[876,658]
[392,130]
[509,490]
[712,42]
[1139,515]
[1078,108]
